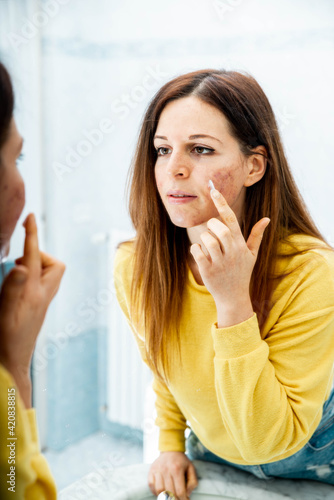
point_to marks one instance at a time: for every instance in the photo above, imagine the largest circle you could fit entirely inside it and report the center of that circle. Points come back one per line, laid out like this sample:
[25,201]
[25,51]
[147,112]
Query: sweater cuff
[237,340]
[171,440]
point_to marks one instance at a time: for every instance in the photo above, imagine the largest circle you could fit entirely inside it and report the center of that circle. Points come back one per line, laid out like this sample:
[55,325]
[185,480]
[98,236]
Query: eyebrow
[195,136]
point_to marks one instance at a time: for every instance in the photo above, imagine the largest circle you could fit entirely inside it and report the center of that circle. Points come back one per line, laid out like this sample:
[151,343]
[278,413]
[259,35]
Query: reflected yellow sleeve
[170,419]
[25,473]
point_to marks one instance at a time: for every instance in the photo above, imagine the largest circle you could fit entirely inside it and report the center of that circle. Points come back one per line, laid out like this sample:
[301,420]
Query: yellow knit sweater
[25,474]
[251,396]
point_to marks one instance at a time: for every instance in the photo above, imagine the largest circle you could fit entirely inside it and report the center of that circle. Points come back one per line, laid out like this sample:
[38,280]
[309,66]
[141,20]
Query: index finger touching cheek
[225,211]
[216,195]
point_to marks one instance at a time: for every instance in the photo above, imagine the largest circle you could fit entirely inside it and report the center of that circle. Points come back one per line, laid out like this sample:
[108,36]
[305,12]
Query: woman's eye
[202,150]
[162,151]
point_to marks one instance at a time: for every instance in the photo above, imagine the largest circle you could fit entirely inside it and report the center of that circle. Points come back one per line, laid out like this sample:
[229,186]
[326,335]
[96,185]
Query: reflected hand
[174,472]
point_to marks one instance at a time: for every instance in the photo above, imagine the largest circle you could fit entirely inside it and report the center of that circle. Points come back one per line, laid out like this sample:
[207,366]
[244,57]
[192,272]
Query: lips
[177,197]
[180,194]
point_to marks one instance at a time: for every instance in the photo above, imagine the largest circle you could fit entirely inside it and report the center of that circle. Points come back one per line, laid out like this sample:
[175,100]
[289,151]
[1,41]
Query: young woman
[25,296]
[229,291]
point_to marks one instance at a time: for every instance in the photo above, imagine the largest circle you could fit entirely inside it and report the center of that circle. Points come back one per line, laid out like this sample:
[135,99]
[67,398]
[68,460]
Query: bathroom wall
[98,65]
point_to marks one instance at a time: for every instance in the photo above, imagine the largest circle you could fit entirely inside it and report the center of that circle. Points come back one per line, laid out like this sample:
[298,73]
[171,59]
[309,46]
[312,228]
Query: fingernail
[19,278]
[215,193]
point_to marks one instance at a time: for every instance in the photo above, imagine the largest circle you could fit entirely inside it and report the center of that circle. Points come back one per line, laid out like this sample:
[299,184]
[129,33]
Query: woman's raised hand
[25,297]
[227,268]
[173,471]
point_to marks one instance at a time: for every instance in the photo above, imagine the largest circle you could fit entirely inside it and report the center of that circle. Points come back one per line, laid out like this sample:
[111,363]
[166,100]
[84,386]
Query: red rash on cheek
[224,182]
[17,201]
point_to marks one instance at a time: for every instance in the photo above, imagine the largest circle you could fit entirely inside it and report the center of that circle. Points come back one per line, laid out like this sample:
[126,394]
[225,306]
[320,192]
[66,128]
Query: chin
[187,224]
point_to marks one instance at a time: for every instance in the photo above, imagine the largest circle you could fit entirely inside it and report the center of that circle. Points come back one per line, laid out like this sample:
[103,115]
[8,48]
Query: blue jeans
[314,461]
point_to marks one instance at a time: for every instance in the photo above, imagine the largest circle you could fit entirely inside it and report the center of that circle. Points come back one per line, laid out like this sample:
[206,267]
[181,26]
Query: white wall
[89,65]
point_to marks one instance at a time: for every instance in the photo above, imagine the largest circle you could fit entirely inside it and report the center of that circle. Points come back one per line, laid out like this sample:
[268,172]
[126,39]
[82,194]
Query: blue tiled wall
[73,392]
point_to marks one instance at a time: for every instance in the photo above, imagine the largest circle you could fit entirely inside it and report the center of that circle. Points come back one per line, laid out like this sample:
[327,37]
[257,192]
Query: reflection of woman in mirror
[234,314]
[25,296]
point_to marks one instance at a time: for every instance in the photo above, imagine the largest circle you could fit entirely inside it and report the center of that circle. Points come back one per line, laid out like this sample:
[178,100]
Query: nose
[178,165]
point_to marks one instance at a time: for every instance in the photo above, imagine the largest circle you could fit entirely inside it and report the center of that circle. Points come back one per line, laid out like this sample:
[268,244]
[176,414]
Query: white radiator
[128,376]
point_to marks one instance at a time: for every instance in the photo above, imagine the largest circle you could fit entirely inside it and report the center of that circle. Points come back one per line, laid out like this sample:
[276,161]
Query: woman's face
[12,193]
[188,158]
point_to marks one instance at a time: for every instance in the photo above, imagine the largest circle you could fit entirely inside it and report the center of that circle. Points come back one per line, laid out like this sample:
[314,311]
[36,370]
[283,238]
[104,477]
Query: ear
[257,164]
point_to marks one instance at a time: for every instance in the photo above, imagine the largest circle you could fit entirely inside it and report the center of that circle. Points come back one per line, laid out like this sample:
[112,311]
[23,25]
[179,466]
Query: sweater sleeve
[170,419]
[31,476]
[271,391]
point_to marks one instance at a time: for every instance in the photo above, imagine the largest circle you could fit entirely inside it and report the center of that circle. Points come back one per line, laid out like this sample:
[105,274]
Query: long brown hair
[6,104]
[6,113]
[161,249]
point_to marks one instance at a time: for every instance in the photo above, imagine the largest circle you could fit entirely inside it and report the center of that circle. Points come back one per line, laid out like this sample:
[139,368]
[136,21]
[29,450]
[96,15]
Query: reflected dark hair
[6,113]
[6,104]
